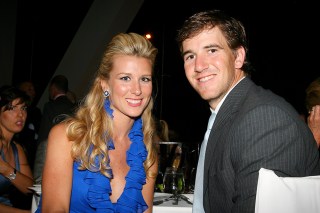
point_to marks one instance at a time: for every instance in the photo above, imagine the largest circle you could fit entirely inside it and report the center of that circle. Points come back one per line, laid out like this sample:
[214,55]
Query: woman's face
[12,120]
[129,85]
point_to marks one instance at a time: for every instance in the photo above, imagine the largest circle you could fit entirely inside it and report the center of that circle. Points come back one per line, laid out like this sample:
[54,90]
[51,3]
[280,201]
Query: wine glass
[173,181]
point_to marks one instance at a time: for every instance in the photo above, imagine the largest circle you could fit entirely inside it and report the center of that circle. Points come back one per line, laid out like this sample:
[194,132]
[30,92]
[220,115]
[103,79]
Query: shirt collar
[221,102]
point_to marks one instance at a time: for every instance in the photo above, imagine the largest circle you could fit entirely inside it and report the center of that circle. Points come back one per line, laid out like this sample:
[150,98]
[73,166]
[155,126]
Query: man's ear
[240,57]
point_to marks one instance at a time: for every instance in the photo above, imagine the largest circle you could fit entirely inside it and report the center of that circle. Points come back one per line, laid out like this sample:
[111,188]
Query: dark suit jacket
[254,128]
[54,112]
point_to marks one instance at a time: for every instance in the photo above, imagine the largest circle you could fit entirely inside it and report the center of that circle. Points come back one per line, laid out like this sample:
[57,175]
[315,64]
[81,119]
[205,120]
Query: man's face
[210,65]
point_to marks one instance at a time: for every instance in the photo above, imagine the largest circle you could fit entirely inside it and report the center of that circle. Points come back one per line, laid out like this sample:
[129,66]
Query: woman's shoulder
[59,128]
[17,146]
[58,133]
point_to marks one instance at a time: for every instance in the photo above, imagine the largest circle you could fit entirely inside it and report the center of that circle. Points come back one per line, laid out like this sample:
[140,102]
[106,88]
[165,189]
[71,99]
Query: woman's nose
[22,113]
[136,89]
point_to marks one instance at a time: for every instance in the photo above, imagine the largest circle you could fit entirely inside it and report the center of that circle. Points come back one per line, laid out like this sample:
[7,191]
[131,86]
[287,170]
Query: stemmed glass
[174,183]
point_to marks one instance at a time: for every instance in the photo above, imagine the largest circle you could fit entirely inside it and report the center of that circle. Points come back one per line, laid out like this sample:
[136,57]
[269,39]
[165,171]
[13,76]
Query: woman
[113,163]
[15,172]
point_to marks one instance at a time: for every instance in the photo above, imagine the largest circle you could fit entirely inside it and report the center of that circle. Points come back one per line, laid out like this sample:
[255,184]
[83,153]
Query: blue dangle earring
[106,94]
[107,107]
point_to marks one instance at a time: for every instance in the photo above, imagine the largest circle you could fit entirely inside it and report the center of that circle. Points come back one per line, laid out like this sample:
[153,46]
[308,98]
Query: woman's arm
[148,188]
[57,173]
[24,177]
[9,209]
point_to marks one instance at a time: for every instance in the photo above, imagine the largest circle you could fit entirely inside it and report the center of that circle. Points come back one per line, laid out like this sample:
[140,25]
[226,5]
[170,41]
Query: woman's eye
[146,79]
[24,108]
[125,78]
[10,107]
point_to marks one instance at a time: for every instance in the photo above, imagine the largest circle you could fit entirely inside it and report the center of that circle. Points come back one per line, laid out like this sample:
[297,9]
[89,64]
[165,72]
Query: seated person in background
[28,137]
[58,106]
[313,106]
[166,152]
[72,96]
[15,172]
[161,135]
[54,111]
[162,131]
[103,159]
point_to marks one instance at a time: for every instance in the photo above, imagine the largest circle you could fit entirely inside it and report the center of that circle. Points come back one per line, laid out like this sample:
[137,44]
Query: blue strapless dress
[91,190]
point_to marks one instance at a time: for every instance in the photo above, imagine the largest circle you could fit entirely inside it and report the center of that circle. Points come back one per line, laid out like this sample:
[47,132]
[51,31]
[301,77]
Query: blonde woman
[103,159]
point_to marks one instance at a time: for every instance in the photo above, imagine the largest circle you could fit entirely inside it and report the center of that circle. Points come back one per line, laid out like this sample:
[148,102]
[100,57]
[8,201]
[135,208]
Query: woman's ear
[104,85]
[240,57]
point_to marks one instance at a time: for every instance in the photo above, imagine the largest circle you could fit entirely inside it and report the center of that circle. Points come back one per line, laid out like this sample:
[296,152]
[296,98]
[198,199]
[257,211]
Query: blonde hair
[91,127]
[313,94]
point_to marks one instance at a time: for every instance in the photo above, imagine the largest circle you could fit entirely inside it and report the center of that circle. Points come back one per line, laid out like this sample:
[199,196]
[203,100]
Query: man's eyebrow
[212,46]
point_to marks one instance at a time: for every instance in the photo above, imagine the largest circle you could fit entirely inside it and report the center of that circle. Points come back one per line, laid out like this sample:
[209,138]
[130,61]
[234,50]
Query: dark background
[283,48]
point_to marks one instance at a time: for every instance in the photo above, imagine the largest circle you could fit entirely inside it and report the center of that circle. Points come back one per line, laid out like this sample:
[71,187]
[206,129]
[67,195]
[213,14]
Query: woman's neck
[5,142]
[6,137]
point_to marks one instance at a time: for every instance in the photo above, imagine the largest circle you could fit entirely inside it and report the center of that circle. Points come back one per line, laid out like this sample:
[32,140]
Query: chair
[287,194]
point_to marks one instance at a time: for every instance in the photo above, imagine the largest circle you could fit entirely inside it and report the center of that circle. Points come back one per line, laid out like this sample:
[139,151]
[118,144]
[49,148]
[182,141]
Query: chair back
[287,194]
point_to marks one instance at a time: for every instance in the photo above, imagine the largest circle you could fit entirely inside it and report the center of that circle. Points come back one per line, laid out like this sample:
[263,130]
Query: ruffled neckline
[131,199]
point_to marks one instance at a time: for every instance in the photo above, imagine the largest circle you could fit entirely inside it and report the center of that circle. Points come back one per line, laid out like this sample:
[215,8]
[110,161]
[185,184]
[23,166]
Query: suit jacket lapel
[223,122]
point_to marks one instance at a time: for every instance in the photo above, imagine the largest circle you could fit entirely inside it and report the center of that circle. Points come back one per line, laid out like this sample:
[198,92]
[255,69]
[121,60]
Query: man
[54,111]
[253,127]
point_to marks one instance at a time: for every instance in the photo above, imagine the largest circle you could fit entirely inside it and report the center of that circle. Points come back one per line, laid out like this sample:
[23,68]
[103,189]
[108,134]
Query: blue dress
[5,185]
[91,190]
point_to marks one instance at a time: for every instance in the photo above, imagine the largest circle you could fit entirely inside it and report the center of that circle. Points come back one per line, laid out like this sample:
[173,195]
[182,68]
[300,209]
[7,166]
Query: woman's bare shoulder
[58,134]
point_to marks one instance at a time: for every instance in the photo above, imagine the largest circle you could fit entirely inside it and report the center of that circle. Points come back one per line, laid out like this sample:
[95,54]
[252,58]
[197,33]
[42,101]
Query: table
[168,207]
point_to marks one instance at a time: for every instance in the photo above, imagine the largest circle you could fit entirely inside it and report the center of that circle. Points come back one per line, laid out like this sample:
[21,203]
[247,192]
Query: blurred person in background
[54,111]
[58,106]
[15,172]
[28,137]
[313,107]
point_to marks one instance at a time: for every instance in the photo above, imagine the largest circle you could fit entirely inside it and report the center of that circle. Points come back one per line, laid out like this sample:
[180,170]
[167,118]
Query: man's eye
[188,57]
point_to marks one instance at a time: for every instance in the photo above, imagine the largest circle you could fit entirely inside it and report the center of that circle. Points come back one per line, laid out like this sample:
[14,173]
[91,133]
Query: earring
[106,94]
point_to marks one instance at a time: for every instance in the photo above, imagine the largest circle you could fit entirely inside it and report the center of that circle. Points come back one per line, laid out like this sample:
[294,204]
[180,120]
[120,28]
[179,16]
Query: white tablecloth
[36,197]
[168,207]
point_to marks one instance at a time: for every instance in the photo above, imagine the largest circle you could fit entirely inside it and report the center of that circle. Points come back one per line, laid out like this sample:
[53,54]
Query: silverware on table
[162,200]
[185,198]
